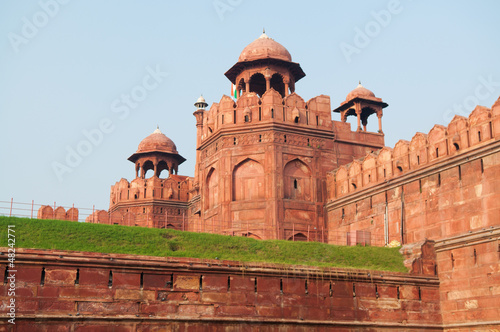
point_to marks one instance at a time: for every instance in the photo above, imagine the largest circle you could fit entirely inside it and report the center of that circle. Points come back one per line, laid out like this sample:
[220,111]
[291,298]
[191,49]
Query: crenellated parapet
[175,187]
[251,110]
[441,143]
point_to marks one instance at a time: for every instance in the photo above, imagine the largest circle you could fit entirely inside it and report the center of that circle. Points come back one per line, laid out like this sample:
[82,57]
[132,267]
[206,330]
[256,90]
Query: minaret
[200,105]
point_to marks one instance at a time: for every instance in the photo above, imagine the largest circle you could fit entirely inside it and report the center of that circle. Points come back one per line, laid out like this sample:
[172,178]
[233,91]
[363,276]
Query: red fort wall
[443,186]
[73,291]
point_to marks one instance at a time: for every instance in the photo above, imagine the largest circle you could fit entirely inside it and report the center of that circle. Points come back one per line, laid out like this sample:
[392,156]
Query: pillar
[268,83]
[358,115]
[247,86]
[379,116]
[286,89]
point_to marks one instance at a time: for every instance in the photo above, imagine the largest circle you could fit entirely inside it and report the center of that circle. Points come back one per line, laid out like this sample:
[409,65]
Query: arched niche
[297,181]
[212,189]
[248,181]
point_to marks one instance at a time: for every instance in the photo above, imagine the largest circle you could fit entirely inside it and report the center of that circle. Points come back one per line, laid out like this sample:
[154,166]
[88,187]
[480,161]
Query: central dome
[157,142]
[263,48]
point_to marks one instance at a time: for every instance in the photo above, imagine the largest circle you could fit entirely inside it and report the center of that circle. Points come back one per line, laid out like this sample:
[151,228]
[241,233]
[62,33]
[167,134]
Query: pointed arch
[147,166]
[162,166]
[278,84]
[297,181]
[248,181]
[258,84]
[212,189]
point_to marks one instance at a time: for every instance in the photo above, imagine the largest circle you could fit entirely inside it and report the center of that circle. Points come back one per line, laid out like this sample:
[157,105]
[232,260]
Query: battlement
[59,213]
[441,143]
[270,108]
[175,187]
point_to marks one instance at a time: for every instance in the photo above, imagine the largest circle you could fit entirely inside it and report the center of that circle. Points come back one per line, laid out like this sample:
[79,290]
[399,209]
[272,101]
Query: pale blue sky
[65,76]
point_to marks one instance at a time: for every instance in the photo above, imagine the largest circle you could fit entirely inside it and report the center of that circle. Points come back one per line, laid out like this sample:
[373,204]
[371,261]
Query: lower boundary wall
[77,291]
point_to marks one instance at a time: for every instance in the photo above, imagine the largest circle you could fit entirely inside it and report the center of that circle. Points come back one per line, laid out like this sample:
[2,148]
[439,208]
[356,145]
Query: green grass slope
[65,235]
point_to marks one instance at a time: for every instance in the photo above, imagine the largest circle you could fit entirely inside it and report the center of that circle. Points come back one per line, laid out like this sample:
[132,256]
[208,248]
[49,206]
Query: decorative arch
[248,181]
[162,166]
[241,86]
[258,84]
[212,189]
[148,165]
[297,181]
[278,84]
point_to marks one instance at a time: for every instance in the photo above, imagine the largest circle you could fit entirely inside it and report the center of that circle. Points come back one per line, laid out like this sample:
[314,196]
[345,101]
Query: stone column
[358,115]
[379,116]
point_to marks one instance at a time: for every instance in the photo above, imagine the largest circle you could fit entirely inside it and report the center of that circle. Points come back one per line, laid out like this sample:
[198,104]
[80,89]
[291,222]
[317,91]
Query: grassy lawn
[66,235]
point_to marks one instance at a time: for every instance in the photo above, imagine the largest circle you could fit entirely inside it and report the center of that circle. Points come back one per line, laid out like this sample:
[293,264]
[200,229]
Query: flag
[234,91]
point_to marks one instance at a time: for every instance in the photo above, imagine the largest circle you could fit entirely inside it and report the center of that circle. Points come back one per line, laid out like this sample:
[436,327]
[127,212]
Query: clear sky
[65,67]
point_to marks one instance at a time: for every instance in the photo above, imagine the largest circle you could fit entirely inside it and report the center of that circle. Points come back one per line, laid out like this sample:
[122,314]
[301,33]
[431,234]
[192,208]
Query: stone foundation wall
[469,272]
[73,291]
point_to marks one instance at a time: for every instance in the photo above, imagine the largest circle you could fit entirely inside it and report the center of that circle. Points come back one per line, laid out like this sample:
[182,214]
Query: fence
[293,231]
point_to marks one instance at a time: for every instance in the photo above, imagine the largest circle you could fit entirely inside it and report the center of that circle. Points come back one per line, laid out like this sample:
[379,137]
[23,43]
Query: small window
[246,118]
[296,120]
[272,113]
[479,136]
[294,183]
[457,147]
[222,119]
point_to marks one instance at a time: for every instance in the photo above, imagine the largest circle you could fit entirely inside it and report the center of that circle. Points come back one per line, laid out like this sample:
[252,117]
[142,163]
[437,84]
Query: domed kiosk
[361,103]
[265,64]
[156,152]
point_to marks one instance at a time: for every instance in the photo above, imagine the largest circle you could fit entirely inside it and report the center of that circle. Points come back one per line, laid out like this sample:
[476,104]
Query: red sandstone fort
[270,165]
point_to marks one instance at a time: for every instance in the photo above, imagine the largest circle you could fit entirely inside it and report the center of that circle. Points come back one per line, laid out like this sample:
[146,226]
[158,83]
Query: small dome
[360,91]
[263,48]
[200,100]
[157,142]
